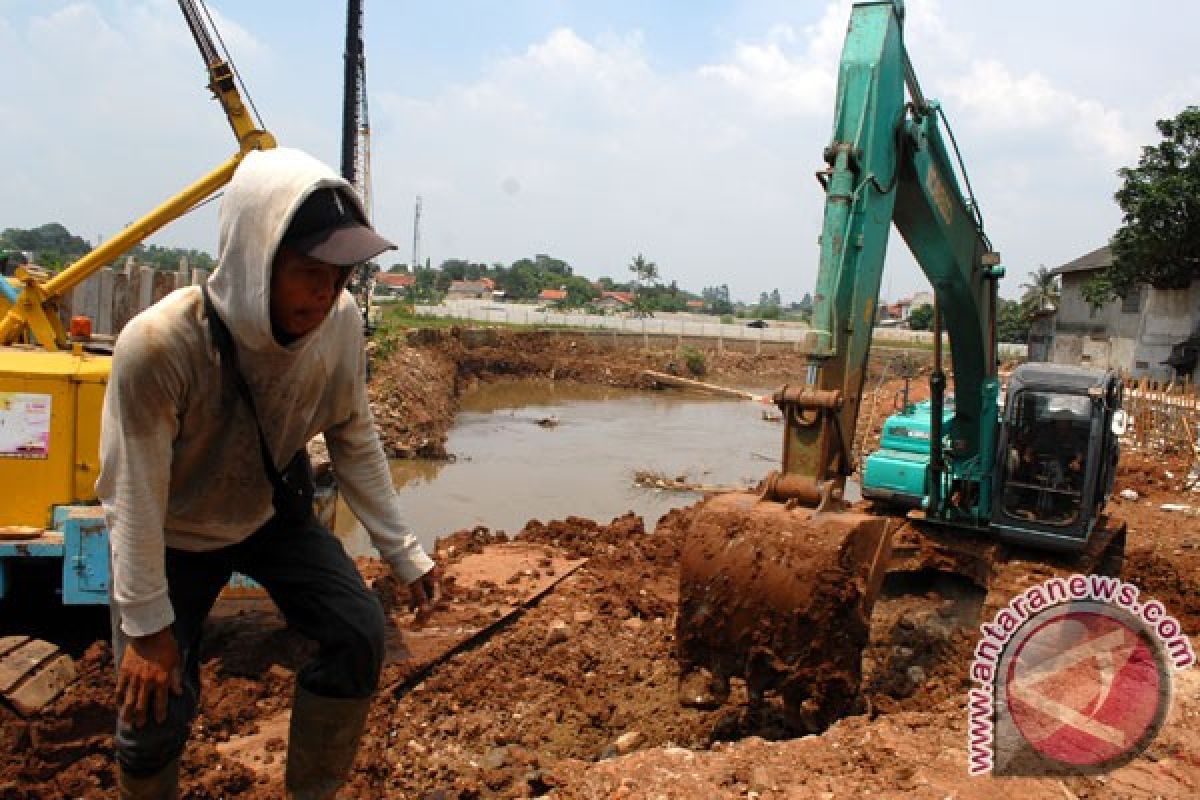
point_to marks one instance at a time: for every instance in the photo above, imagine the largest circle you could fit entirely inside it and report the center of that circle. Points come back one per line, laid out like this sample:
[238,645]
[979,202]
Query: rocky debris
[558,632]
[627,742]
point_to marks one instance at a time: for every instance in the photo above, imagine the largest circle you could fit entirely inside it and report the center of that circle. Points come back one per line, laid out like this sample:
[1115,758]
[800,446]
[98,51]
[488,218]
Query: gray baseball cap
[327,227]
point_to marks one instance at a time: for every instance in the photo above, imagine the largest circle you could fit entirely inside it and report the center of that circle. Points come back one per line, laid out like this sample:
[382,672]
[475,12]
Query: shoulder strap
[223,341]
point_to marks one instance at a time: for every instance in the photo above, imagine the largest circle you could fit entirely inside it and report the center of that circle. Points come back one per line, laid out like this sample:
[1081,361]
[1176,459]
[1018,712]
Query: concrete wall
[1136,342]
[112,297]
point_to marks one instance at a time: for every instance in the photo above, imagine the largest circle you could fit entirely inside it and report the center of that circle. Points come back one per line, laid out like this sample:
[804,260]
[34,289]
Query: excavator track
[1002,570]
[33,672]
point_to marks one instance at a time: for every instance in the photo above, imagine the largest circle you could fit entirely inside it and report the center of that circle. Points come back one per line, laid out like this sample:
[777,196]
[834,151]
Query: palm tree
[645,271]
[1041,292]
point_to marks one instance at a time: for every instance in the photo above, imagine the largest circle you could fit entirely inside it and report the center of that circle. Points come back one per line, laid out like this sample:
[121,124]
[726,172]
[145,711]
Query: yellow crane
[37,358]
[52,393]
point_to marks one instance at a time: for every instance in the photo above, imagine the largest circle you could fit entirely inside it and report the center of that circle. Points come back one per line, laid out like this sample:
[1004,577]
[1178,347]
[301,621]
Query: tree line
[54,247]
[525,279]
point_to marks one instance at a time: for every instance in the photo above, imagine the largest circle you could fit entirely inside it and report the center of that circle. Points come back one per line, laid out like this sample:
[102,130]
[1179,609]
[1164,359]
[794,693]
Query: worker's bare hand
[425,592]
[149,669]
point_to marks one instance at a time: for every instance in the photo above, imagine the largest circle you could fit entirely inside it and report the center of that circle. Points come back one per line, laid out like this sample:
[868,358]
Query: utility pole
[356,139]
[416,255]
[356,129]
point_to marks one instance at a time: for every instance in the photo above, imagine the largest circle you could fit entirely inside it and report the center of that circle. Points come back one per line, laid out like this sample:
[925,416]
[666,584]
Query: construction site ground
[558,676]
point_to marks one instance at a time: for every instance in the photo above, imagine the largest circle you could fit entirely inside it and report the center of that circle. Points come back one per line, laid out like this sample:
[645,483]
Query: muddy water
[509,468]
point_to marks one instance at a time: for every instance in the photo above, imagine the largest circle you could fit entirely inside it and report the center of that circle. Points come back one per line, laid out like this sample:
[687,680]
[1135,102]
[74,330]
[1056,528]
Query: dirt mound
[412,400]
[1153,477]
[555,700]
[591,663]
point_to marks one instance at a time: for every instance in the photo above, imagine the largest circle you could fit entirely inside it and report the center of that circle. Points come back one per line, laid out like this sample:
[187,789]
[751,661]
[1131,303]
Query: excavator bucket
[781,597]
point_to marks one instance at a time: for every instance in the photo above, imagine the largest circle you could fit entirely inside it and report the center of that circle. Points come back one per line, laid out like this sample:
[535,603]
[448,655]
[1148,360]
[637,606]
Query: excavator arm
[888,164]
[778,588]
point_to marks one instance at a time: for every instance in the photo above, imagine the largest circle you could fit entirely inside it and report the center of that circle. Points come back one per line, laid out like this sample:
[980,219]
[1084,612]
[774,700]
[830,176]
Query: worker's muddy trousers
[320,593]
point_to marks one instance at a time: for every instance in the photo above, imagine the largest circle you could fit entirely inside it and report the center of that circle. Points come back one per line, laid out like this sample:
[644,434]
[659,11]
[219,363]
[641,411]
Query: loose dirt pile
[577,696]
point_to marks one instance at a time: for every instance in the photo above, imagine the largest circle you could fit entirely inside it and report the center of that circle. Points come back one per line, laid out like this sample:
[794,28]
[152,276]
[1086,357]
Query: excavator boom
[886,164]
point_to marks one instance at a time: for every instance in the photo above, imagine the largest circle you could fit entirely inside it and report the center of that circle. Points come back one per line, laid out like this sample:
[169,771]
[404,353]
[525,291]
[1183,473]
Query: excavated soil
[576,695]
[744,615]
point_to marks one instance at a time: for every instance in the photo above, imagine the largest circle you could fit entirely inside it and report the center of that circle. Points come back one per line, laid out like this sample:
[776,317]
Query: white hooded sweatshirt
[180,463]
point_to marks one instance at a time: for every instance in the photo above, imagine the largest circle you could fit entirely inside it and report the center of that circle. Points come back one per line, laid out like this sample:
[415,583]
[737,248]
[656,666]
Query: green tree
[1012,321]
[645,276]
[1041,291]
[580,291]
[921,317]
[424,288]
[50,243]
[552,265]
[1159,238]
[716,299]
[645,272]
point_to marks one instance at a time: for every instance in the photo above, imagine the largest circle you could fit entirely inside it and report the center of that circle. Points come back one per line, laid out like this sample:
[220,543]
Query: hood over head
[268,190]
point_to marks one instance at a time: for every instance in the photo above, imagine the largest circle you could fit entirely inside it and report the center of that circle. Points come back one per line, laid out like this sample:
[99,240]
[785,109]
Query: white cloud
[997,99]
[790,73]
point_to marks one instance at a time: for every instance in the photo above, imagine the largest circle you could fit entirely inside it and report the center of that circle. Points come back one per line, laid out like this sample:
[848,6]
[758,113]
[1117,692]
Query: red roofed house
[695,305]
[552,295]
[615,301]
[395,283]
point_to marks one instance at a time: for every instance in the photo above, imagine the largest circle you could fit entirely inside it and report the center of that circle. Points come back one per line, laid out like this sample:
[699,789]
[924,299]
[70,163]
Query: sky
[688,131]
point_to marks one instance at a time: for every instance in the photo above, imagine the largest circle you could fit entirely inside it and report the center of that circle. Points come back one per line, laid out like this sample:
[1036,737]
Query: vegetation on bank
[54,247]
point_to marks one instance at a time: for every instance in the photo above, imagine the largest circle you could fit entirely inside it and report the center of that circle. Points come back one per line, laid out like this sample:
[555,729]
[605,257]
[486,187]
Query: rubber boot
[322,742]
[162,785]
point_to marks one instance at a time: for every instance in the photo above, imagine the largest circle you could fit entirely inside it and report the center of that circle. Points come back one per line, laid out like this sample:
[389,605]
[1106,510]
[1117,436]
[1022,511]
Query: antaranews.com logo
[1073,676]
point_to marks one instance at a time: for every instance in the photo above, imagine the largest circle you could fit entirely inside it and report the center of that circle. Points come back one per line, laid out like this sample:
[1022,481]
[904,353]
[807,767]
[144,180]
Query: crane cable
[232,67]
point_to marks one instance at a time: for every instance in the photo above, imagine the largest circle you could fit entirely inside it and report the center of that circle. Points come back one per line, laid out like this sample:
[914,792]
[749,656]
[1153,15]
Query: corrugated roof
[1099,258]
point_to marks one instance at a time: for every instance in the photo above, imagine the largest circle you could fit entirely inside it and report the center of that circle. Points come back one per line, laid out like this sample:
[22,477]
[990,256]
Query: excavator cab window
[1047,458]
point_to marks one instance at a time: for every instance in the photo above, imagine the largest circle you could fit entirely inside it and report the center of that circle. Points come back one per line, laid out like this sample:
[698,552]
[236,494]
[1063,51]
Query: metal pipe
[937,389]
[351,91]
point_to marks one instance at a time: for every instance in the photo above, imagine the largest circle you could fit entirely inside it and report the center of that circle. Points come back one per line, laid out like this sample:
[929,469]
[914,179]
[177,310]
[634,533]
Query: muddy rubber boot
[162,785]
[322,742]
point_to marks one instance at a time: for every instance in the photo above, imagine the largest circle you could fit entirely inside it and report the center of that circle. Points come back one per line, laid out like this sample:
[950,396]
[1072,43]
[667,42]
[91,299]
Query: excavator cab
[1057,455]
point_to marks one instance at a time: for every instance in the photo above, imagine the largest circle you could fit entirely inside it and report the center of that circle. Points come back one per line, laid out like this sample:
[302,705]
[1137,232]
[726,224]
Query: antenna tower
[417,236]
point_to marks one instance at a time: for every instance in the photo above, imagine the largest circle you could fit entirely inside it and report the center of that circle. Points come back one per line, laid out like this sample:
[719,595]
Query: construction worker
[190,497]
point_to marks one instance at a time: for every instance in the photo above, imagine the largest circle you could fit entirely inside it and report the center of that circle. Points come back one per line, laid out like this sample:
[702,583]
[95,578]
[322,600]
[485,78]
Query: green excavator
[777,587]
